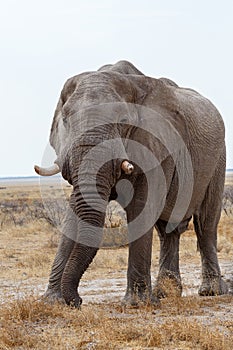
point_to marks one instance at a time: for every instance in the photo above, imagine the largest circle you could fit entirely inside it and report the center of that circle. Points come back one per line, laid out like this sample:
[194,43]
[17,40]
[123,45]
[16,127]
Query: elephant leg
[140,233]
[65,248]
[169,271]
[139,274]
[140,248]
[205,223]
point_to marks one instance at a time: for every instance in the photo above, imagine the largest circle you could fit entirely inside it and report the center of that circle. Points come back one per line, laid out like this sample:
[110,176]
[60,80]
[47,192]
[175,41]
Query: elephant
[156,148]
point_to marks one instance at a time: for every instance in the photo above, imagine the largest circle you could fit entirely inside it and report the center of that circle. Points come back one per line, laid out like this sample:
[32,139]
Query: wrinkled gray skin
[202,129]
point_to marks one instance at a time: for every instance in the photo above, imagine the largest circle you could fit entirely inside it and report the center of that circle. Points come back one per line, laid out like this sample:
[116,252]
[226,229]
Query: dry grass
[27,322]
[31,323]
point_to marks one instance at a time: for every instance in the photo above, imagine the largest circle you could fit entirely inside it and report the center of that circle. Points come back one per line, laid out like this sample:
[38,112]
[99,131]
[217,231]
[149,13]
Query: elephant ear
[154,134]
[58,133]
[157,143]
[160,126]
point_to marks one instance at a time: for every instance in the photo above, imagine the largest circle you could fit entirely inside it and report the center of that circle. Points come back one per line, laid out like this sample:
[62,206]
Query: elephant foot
[213,286]
[135,300]
[75,302]
[168,284]
[53,295]
[72,298]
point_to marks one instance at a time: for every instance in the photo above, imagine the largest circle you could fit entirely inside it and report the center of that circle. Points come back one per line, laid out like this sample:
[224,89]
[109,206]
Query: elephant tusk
[52,170]
[127,167]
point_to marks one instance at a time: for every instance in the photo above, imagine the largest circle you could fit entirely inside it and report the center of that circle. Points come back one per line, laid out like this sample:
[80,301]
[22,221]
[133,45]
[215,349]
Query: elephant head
[87,103]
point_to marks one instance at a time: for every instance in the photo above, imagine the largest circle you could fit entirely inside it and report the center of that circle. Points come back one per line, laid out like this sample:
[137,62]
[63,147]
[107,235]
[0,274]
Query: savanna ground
[28,245]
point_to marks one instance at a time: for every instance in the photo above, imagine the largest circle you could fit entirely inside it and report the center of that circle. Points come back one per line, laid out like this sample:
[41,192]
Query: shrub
[227,203]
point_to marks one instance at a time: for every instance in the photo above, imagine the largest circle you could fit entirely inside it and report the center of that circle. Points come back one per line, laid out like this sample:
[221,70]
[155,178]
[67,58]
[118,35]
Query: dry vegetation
[178,323]
[28,244]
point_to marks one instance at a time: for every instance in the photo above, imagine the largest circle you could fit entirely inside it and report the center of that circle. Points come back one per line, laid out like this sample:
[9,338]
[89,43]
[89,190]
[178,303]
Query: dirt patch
[103,286]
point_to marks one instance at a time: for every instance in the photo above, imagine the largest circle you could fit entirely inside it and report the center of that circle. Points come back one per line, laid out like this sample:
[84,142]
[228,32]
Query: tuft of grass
[20,318]
[193,335]
[35,261]
[31,309]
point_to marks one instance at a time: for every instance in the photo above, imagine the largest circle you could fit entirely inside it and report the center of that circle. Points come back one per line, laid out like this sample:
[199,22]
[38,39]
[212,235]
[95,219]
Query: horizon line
[38,176]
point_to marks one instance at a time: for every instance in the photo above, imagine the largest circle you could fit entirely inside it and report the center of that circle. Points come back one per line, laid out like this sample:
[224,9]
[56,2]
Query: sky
[45,42]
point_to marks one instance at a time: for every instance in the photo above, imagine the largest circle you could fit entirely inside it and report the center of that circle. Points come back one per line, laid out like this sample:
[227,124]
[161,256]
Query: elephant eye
[64,119]
[124,119]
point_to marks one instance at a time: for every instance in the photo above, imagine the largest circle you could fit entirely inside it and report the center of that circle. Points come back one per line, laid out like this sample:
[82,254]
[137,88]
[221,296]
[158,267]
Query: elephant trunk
[79,261]
[87,242]
[88,201]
